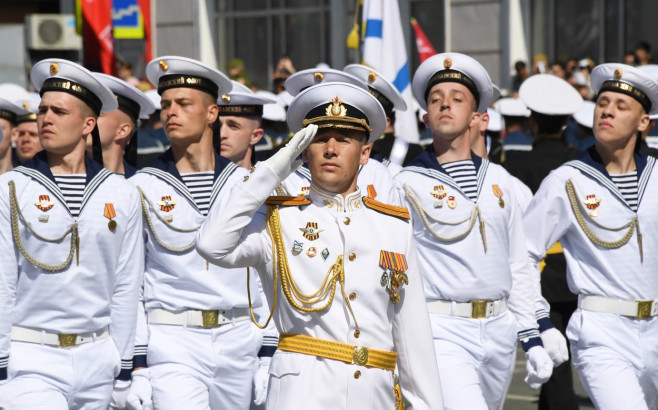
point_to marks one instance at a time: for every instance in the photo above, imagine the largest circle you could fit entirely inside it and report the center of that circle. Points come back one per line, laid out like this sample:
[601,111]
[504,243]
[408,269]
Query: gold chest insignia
[311,231]
[110,214]
[166,204]
[394,276]
[592,203]
[44,203]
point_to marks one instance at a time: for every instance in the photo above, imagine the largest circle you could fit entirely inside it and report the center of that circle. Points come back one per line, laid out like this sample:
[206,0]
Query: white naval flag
[384,50]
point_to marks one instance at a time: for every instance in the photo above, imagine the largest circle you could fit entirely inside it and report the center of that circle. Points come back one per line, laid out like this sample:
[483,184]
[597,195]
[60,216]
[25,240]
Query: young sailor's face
[618,118]
[450,110]
[334,157]
[62,120]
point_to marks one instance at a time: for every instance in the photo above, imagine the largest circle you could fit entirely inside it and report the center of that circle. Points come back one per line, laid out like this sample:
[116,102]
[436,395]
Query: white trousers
[617,359]
[475,358]
[53,378]
[195,369]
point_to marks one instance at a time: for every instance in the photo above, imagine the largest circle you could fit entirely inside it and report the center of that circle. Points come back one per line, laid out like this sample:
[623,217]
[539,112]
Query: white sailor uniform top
[176,277]
[471,250]
[323,234]
[609,248]
[70,286]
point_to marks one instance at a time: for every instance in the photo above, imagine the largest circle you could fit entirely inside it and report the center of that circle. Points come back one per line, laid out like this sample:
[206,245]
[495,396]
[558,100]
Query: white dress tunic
[235,234]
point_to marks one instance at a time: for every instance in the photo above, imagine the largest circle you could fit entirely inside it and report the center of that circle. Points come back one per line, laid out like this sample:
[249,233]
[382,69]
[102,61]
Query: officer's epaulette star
[287,200]
[396,211]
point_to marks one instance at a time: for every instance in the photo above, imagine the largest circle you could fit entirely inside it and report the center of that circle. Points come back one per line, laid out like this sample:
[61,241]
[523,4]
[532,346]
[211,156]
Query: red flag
[145,5]
[97,36]
[425,49]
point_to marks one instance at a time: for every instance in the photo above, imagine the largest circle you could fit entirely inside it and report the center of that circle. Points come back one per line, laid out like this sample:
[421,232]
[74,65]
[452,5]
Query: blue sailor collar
[40,163]
[590,163]
[427,159]
[39,169]
[427,164]
[129,170]
[592,158]
[337,202]
[165,169]
[166,163]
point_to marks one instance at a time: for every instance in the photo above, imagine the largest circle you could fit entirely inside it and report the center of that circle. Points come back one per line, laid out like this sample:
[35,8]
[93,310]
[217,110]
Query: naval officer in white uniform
[350,306]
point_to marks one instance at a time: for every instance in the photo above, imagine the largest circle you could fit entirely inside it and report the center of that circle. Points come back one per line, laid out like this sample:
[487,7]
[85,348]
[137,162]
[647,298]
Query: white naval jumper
[472,250]
[235,234]
[625,271]
[97,289]
[178,279]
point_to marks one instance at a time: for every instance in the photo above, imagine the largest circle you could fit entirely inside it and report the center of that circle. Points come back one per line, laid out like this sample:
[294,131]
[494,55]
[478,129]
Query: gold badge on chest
[592,203]
[498,193]
[311,231]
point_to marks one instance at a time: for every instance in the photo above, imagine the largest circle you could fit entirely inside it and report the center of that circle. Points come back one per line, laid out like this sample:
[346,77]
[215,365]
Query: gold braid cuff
[580,218]
[16,214]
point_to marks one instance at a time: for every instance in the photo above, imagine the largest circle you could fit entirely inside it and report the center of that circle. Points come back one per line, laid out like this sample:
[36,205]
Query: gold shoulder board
[396,211]
[287,200]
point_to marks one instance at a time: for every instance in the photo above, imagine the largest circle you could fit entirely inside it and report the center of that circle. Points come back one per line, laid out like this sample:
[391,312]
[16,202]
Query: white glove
[555,345]
[119,394]
[539,367]
[261,380]
[140,394]
[284,162]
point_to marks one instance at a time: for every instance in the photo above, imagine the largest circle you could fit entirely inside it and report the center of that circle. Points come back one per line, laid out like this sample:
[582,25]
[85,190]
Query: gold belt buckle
[67,340]
[360,355]
[479,309]
[644,309]
[210,318]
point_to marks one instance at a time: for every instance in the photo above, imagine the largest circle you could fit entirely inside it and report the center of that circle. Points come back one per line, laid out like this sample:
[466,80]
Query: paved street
[520,397]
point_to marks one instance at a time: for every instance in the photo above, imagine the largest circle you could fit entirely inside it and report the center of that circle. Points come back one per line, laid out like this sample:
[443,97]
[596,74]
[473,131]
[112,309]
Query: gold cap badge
[372,77]
[54,68]
[163,65]
[618,74]
[447,63]
[336,108]
[226,98]
[318,77]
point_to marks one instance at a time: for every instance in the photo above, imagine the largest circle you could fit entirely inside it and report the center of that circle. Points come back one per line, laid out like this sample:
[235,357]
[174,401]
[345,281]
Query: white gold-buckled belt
[638,309]
[206,319]
[24,334]
[475,309]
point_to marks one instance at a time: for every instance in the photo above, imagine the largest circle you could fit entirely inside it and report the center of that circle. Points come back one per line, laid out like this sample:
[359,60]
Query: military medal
[439,193]
[297,247]
[306,190]
[499,194]
[592,202]
[324,254]
[452,202]
[110,213]
[311,251]
[395,266]
[166,204]
[311,231]
[44,203]
[43,218]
